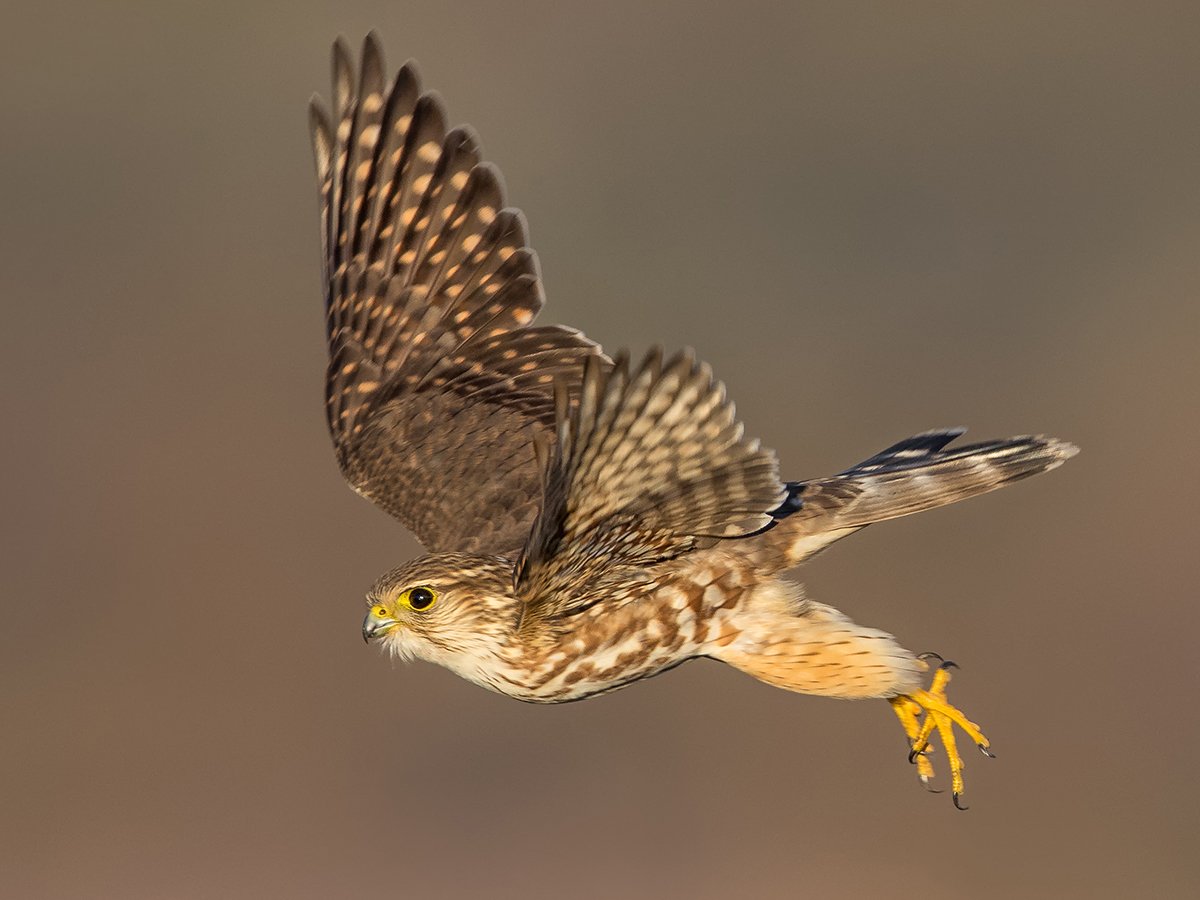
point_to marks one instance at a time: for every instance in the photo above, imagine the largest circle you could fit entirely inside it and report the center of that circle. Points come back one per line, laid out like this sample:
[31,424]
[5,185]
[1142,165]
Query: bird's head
[453,609]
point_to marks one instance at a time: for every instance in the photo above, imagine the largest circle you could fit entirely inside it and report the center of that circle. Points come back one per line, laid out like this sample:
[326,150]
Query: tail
[912,476]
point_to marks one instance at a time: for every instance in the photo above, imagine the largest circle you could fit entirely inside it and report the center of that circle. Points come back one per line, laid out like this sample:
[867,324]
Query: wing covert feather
[438,384]
[645,466]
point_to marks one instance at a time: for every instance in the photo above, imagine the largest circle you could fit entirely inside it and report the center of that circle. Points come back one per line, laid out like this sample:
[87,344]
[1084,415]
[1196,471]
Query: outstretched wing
[438,383]
[646,467]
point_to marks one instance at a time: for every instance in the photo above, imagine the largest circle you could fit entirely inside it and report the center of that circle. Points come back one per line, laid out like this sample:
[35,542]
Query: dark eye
[421,598]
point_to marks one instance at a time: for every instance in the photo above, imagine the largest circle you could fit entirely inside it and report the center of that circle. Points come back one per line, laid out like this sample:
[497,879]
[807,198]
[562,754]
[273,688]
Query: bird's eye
[418,598]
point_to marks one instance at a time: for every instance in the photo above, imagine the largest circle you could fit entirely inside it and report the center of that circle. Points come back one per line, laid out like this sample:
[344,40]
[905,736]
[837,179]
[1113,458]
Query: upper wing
[646,467]
[437,384]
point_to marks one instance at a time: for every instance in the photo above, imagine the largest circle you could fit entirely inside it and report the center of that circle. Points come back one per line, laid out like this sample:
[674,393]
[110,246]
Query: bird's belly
[608,648]
[567,689]
[573,671]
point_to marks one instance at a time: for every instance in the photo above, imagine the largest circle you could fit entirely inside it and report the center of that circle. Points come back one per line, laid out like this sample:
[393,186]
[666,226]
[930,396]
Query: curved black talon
[949,664]
[932,790]
[985,751]
[914,753]
[929,654]
[957,797]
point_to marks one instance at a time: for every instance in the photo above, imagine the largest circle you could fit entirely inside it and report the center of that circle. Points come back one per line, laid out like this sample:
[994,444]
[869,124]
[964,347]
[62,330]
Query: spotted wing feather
[438,382]
[650,464]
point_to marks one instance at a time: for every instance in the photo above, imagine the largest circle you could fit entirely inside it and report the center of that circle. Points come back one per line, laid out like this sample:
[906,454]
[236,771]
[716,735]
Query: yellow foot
[941,715]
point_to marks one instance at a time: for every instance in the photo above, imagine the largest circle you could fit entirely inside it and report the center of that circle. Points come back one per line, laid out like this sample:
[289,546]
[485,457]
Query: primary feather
[438,382]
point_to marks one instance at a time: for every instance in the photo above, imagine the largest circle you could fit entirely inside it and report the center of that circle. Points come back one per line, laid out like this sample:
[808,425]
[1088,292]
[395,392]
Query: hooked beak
[377,624]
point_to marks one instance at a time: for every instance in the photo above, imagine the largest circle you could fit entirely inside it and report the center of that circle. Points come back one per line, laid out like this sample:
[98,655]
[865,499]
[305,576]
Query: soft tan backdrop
[872,219]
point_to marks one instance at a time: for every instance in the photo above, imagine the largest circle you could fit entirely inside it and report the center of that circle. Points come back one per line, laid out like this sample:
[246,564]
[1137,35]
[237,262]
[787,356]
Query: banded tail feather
[914,475]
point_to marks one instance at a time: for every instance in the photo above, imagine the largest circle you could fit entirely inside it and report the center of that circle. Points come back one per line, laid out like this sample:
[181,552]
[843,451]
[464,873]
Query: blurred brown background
[871,219]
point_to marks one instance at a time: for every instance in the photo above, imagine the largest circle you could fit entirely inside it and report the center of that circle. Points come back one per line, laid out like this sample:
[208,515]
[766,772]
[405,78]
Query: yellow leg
[939,714]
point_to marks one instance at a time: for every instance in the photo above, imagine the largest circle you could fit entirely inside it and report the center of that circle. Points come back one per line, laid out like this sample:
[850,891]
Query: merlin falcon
[590,521]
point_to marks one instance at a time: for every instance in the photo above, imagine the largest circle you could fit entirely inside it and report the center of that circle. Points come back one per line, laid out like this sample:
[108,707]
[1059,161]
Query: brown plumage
[590,523]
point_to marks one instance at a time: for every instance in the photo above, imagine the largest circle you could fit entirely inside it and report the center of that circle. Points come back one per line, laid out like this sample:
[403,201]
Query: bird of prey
[590,522]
